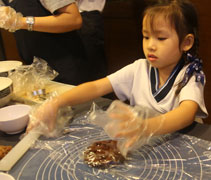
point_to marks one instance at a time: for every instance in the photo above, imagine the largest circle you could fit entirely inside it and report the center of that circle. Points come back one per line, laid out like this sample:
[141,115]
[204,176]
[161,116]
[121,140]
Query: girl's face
[161,44]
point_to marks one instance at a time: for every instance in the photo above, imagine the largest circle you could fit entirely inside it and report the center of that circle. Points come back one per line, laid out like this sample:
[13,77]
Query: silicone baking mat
[174,157]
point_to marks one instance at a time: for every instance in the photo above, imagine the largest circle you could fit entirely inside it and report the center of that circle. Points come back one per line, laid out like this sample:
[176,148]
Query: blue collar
[160,93]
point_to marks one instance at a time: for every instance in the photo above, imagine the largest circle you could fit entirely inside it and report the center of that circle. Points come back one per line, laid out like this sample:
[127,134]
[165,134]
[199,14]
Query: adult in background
[92,35]
[48,29]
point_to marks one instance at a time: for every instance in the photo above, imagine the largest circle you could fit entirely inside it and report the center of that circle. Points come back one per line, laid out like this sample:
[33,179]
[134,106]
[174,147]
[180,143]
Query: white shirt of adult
[50,5]
[90,5]
[83,5]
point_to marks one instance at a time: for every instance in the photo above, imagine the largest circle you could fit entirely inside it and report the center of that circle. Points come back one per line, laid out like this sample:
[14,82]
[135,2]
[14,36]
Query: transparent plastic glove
[125,126]
[44,115]
[49,119]
[129,125]
[122,117]
[10,19]
[131,135]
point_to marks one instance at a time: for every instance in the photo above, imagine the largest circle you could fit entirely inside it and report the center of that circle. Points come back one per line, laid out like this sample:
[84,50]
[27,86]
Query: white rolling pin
[18,151]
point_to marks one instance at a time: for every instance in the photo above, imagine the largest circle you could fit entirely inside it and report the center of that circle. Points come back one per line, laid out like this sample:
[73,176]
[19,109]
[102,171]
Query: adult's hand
[10,19]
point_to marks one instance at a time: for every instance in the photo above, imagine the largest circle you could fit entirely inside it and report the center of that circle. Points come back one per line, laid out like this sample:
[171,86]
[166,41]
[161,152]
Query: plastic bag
[29,80]
[130,122]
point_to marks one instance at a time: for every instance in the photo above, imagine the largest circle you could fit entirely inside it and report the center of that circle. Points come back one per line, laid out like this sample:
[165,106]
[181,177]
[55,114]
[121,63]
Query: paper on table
[18,151]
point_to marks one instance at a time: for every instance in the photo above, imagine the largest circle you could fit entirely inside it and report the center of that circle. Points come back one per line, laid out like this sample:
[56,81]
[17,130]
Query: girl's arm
[174,120]
[47,112]
[67,19]
[169,122]
[85,92]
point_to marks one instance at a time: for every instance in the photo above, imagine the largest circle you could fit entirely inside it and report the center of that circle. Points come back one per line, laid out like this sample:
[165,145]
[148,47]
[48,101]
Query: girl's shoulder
[141,65]
[141,62]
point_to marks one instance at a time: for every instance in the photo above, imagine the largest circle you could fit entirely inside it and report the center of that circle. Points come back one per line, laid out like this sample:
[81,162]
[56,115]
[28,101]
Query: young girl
[170,80]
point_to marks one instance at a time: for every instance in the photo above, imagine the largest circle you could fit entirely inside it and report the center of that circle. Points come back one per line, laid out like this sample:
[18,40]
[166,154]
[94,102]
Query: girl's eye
[145,37]
[162,38]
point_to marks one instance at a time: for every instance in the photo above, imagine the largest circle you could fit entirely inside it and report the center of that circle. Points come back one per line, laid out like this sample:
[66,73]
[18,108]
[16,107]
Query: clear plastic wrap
[29,80]
[130,122]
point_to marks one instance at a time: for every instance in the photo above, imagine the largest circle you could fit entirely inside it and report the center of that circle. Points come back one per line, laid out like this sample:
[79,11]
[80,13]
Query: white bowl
[6,89]
[14,118]
[5,176]
[8,66]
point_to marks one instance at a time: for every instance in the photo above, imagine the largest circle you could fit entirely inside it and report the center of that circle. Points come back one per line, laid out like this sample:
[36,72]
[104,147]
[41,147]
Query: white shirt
[90,5]
[83,5]
[51,5]
[133,83]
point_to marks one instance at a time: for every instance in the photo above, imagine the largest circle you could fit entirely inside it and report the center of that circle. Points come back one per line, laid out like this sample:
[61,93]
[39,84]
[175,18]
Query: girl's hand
[44,116]
[125,124]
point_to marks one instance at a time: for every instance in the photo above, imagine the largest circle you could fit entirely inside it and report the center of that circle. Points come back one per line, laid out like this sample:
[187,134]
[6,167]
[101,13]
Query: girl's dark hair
[183,17]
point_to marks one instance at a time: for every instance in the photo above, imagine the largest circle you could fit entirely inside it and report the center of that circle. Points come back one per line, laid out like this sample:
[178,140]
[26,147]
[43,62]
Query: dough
[103,153]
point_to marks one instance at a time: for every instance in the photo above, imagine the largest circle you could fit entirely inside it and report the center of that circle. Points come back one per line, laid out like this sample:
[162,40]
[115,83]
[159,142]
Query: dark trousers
[92,35]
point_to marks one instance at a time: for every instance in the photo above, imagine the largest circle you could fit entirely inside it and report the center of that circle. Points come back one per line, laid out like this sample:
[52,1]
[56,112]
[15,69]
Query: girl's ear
[188,42]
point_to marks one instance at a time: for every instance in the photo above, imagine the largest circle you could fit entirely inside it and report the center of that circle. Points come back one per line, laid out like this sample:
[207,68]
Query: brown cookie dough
[103,153]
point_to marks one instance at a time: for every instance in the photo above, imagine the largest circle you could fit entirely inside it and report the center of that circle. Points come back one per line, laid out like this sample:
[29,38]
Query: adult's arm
[66,19]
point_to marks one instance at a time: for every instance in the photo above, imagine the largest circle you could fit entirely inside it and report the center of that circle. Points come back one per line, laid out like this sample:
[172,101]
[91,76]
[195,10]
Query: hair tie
[195,67]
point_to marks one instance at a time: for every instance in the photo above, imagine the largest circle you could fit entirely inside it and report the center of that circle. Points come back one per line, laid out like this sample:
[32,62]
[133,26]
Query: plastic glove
[49,119]
[10,19]
[125,126]
[44,117]
[129,125]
